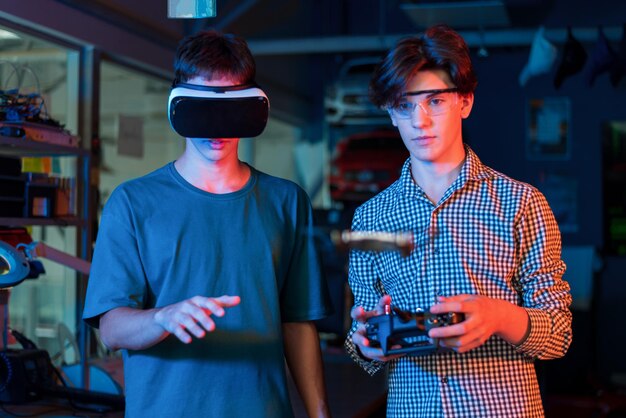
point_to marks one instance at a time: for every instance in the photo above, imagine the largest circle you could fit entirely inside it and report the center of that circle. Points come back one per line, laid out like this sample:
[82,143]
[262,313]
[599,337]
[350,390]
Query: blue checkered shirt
[488,235]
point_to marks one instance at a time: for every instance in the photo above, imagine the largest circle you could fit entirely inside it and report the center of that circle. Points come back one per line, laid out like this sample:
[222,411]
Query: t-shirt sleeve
[116,278]
[304,295]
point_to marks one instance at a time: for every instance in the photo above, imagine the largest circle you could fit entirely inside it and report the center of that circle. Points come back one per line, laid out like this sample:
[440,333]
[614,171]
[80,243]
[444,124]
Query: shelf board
[58,221]
[25,146]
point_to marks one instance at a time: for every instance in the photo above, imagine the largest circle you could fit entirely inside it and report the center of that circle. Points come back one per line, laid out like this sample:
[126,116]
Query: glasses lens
[403,110]
[433,105]
[439,103]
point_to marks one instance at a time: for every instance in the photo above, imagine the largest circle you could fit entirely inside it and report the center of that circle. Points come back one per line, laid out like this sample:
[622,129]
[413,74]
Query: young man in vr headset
[486,246]
[205,271]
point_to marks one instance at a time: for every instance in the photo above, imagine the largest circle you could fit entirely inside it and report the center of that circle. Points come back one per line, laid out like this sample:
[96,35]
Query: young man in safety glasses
[486,247]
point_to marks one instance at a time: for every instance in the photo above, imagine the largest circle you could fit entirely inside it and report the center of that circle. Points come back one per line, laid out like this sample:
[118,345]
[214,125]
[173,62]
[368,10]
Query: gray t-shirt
[161,240]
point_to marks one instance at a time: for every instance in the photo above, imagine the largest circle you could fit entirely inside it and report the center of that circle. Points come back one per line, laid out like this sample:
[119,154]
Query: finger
[473,339]
[360,339]
[191,313]
[457,302]
[376,353]
[204,320]
[216,305]
[463,348]
[228,301]
[465,342]
[382,302]
[181,334]
[211,305]
[357,313]
[364,344]
[361,315]
[448,306]
[460,345]
[449,331]
[191,326]
[373,353]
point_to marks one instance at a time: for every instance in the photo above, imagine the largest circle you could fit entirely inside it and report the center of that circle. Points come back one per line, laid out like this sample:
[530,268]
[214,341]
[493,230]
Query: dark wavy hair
[212,54]
[438,48]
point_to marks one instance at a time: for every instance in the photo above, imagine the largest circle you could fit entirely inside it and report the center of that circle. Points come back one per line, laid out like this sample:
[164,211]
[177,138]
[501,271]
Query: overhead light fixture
[191,9]
[458,14]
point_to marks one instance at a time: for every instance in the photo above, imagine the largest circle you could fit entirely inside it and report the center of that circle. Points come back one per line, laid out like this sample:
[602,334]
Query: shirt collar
[472,170]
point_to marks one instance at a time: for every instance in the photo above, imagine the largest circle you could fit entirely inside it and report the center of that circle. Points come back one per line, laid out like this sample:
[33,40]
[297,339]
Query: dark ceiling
[300,45]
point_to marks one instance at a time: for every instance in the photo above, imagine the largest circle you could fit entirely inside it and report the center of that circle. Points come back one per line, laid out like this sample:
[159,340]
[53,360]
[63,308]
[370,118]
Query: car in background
[365,163]
[346,101]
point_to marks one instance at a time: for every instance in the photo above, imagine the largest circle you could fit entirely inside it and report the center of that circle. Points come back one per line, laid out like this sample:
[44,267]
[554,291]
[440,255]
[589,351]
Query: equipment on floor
[28,375]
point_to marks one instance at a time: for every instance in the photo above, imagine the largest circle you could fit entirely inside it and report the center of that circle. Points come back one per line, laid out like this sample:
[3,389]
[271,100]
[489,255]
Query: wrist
[157,320]
[513,324]
[502,315]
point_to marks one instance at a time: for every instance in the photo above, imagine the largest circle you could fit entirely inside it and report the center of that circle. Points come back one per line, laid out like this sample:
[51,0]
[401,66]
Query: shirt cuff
[370,366]
[540,330]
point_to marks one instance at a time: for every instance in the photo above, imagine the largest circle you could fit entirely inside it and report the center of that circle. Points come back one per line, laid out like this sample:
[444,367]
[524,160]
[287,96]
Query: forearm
[128,328]
[304,358]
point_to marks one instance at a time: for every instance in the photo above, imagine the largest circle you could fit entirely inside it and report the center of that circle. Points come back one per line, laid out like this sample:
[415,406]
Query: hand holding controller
[407,332]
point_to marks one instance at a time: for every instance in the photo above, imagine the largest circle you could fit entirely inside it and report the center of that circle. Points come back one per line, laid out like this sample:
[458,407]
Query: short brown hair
[212,54]
[440,47]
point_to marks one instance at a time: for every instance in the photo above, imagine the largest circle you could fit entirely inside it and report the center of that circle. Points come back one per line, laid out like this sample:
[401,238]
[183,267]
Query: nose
[419,116]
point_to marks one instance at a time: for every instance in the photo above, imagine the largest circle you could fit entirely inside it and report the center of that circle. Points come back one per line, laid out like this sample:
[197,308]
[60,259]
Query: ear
[467,101]
[394,122]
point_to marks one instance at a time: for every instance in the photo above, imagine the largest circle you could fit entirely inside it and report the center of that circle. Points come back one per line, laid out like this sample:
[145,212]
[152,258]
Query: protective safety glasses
[436,102]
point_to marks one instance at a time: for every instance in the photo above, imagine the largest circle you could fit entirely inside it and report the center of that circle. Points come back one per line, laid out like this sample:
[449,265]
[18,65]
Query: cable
[23,340]
[5,329]
[14,72]
[26,68]
[66,393]
[52,408]
[13,414]
[9,368]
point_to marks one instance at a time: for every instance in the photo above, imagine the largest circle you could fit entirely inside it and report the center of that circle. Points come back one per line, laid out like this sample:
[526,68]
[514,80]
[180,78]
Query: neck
[224,176]
[436,177]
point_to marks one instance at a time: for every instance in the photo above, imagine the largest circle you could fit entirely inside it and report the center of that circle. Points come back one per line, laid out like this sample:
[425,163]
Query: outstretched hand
[193,316]
[359,337]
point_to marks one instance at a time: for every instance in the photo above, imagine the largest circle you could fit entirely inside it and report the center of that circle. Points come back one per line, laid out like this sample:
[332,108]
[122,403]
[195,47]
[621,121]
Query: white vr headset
[197,111]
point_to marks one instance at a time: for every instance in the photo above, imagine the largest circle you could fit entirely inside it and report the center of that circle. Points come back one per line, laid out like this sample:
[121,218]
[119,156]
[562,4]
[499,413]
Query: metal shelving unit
[25,147]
